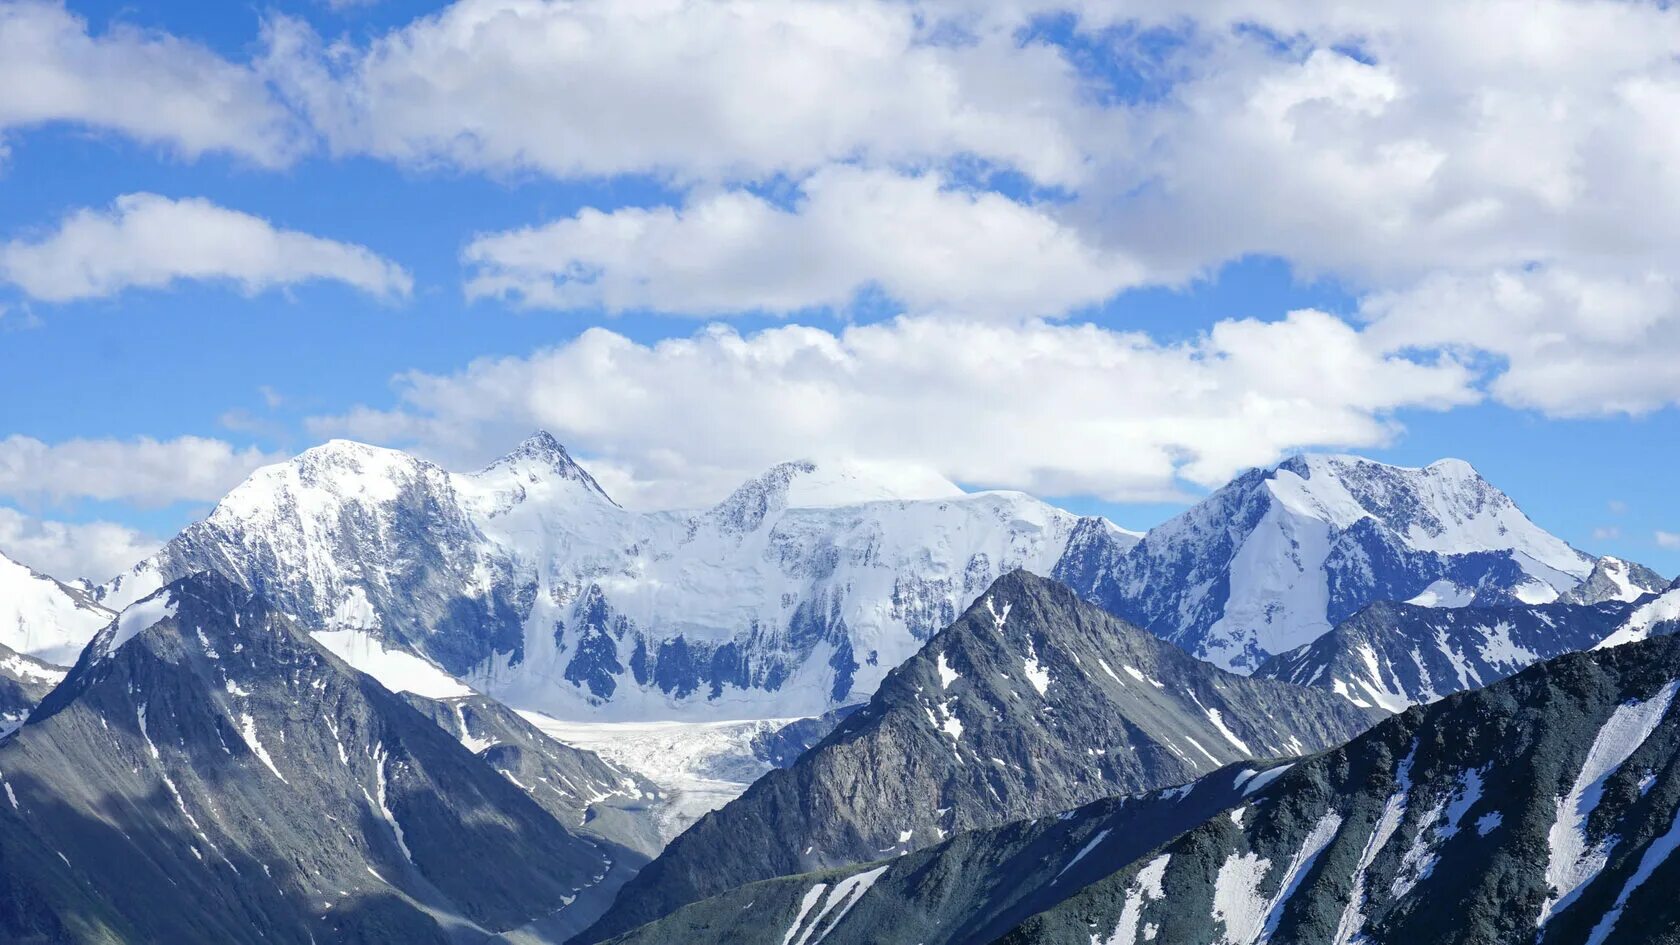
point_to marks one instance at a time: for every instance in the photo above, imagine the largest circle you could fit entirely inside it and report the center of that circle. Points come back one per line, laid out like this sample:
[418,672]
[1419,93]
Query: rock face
[44,619]
[973,887]
[207,772]
[1390,656]
[793,596]
[1279,556]
[24,682]
[1032,702]
[1613,579]
[589,794]
[1543,808]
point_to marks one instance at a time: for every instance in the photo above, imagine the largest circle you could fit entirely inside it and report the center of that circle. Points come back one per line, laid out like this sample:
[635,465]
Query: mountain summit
[794,595]
[1277,557]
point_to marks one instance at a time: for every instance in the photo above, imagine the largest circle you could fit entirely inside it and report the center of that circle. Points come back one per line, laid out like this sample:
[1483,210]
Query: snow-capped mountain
[207,773]
[1544,808]
[1032,702]
[1616,579]
[1391,655]
[1279,556]
[794,595]
[1657,616]
[44,619]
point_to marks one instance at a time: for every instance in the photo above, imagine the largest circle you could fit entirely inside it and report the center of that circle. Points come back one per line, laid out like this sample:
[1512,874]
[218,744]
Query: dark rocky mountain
[208,773]
[1279,556]
[24,682]
[1390,656]
[1032,702]
[970,888]
[581,789]
[1544,808]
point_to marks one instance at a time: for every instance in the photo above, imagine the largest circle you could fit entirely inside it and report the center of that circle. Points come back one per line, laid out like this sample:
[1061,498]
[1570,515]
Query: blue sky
[1119,239]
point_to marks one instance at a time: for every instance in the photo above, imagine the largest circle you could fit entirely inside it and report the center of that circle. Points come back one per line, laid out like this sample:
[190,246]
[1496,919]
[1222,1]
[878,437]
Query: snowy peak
[1278,556]
[813,484]
[540,456]
[1615,579]
[1445,506]
[42,618]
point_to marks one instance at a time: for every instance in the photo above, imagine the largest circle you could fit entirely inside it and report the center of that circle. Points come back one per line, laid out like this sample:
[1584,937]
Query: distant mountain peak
[1279,556]
[541,451]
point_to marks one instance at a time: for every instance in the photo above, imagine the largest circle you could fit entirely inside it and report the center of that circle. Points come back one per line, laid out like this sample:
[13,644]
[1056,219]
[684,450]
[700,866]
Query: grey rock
[1032,702]
[206,772]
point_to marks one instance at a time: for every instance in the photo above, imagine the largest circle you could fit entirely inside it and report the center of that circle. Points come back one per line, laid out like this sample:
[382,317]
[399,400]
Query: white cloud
[926,245]
[150,86]
[1607,533]
[1047,408]
[149,241]
[686,88]
[65,550]
[1667,539]
[1572,343]
[142,471]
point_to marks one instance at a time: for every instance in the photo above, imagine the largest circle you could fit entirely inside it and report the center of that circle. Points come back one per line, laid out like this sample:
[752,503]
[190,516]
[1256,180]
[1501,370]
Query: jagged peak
[542,451]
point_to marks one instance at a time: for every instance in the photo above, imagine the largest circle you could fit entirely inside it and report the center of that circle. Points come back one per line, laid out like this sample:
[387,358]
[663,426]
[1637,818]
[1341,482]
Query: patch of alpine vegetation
[793,596]
[1540,809]
[1032,702]
[584,791]
[970,888]
[1391,655]
[1280,556]
[208,773]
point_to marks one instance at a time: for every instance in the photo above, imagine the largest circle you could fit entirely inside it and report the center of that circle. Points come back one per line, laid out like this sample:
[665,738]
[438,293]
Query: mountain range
[1542,808]
[794,595]
[1032,702]
[798,592]
[1279,556]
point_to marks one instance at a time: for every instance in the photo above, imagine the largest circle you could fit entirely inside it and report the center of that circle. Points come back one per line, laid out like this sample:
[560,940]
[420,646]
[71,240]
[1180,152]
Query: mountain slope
[581,789]
[208,773]
[1279,556]
[794,595]
[1032,702]
[1657,616]
[44,619]
[970,888]
[1542,808]
[24,682]
[1393,655]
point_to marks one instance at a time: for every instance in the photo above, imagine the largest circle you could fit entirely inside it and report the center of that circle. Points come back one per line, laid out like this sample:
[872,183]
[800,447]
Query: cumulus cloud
[67,551]
[147,241]
[1667,539]
[147,85]
[923,243]
[142,471]
[1054,409]
[1571,343]
[686,88]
